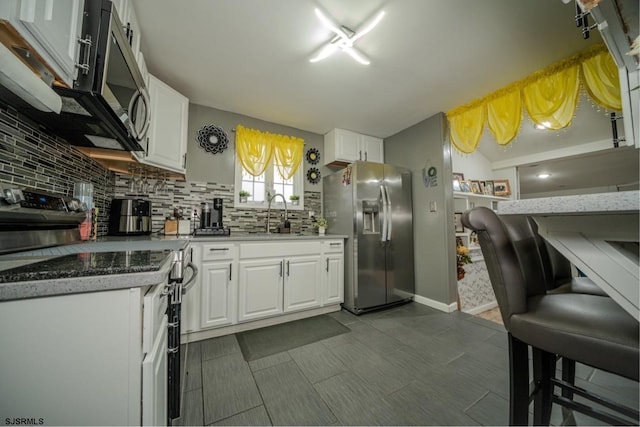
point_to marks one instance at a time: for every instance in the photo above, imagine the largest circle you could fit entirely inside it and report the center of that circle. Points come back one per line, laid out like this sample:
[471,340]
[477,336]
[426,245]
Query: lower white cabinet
[78,359]
[239,282]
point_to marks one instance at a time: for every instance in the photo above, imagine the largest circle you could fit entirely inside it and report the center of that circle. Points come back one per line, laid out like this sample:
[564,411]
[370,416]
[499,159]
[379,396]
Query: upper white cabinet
[344,146]
[129,20]
[50,27]
[167,135]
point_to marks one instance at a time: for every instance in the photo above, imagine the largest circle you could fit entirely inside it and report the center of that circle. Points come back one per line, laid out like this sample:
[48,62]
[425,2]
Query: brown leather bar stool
[590,329]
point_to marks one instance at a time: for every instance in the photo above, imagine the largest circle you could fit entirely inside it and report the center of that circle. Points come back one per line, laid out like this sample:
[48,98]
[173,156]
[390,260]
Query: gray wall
[219,168]
[434,243]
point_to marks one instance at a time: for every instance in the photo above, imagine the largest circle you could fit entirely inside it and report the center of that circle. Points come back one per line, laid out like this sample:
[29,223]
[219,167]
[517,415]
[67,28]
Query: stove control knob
[12,195]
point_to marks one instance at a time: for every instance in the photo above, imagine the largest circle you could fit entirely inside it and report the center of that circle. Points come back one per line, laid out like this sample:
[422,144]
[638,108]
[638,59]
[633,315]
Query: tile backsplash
[33,158]
[188,195]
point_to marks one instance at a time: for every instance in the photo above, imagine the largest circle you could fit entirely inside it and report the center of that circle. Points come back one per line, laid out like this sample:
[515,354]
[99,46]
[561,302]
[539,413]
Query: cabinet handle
[365,156]
[230,267]
[281,267]
[327,265]
[218,249]
[335,244]
[287,268]
[184,161]
[85,53]
[360,155]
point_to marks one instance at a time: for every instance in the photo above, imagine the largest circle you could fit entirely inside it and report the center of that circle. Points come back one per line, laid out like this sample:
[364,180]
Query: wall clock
[212,139]
[313,175]
[313,156]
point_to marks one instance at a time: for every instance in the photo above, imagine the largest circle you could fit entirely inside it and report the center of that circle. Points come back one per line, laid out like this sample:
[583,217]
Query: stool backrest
[517,261]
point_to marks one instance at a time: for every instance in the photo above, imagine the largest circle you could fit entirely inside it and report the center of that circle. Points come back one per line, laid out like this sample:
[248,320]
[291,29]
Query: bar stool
[590,329]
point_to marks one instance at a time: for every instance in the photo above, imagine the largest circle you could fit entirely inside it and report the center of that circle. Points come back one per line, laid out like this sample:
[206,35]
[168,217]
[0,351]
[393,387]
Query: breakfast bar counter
[598,233]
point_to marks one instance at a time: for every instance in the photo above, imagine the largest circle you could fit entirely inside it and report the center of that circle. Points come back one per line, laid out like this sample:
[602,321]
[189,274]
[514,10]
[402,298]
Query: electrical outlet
[311,214]
[432,206]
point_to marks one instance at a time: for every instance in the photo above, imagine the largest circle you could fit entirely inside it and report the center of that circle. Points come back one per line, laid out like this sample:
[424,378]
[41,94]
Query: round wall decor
[212,139]
[313,156]
[313,175]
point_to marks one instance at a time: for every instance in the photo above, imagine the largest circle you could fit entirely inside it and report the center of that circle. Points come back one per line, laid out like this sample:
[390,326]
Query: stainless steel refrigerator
[371,203]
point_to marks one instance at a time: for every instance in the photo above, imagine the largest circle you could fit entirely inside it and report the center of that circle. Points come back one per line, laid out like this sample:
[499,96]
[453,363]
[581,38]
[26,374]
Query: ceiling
[427,56]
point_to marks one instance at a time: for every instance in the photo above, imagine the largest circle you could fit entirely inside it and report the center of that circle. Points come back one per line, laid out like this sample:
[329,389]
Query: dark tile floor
[409,365]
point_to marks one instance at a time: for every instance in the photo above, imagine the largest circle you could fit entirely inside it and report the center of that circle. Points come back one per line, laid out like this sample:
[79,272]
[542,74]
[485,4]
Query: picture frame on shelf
[501,187]
[459,176]
[456,185]
[488,188]
[458,222]
[475,187]
[465,186]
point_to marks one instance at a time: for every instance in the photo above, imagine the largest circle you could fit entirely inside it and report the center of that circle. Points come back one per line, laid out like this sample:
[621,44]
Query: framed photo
[501,187]
[456,185]
[458,222]
[488,188]
[465,186]
[457,177]
[475,187]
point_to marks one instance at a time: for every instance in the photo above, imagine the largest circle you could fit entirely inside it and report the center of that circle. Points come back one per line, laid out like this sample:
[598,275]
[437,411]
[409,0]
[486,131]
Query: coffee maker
[211,219]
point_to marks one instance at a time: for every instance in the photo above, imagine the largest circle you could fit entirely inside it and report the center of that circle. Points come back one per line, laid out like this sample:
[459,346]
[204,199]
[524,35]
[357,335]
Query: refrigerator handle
[388,214]
[383,200]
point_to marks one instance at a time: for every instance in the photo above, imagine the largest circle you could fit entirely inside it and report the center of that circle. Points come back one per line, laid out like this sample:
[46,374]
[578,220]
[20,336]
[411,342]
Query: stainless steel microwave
[108,105]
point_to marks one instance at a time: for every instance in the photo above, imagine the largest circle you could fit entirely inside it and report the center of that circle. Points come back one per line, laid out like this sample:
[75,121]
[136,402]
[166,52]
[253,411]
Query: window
[270,181]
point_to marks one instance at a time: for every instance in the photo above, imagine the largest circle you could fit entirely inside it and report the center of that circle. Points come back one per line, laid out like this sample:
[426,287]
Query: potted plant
[321,225]
[243,196]
[295,199]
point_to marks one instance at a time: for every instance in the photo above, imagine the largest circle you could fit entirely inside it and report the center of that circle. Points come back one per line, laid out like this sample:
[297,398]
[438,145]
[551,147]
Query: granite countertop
[603,203]
[83,272]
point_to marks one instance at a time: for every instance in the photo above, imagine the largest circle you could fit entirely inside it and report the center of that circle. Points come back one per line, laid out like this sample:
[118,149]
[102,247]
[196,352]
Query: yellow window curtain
[504,116]
[550,97]
[288,152]
[601,81]
[465,127]
[551,101]
[255,150]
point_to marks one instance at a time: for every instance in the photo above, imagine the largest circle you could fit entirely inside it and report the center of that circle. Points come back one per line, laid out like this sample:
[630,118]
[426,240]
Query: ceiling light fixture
[344,39]
[543,175]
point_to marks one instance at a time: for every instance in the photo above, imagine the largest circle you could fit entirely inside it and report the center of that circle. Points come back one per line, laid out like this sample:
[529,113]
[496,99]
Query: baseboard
[447,308]
[240,327]
[481,308]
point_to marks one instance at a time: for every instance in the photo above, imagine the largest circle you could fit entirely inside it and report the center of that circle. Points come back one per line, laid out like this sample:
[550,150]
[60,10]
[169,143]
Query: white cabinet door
[346,143]
[219,288]
[333,285]
[260,288]
[52,27]
[302,283]
[167,137]
[154,381]
[371,149]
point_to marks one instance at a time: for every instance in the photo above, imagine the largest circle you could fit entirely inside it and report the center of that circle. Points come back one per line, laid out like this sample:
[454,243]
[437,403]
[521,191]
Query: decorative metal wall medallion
[212,139]
[313,175]
[313,156]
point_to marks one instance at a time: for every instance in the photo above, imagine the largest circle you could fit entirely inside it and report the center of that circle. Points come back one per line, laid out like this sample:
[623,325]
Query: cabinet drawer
[267,250]
[218,251]
[333,246]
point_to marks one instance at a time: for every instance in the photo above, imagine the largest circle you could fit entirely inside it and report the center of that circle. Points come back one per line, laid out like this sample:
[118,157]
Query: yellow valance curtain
[255,150]
[550,97]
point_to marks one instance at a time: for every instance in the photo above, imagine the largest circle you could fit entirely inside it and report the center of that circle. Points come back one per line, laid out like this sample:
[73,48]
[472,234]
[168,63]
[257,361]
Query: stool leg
[568,375]
[518,382]
[544,365]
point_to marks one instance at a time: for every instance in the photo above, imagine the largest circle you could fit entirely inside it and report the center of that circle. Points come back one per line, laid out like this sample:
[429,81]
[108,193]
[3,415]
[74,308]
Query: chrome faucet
[270,198]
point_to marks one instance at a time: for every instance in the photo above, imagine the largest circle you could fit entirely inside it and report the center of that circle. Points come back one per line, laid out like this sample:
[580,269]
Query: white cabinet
[343,146]
[218,285]
[167,136]
[260,288]
[289,279]
[131,27]
[212,301]
[333,276]
[78,359]
[52,28]
[302,284]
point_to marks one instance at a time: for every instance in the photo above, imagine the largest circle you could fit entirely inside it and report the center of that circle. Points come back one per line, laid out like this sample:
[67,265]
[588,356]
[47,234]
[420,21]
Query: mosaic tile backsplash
[32,158]
[188,195]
